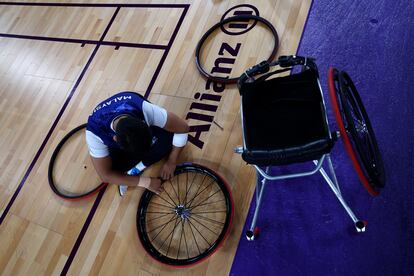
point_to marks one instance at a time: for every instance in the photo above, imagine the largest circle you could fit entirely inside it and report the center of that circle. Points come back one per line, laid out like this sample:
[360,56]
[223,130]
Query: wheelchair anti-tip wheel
[189,220]
[252,235]
[356,131]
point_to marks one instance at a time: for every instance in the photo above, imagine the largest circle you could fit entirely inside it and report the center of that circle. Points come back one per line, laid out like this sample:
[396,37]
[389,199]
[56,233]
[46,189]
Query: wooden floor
[49,86]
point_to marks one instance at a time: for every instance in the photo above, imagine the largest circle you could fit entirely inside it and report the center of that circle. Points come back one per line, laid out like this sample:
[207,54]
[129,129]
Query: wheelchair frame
[263,67]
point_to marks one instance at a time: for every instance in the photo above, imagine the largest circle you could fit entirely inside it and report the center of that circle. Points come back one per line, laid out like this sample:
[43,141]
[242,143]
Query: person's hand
[155,186]
[167,170]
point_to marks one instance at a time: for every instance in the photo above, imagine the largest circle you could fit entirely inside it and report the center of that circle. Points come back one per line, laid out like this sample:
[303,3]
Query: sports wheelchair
[284,121]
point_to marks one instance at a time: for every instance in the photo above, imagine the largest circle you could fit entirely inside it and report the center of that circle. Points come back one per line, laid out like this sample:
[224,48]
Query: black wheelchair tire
[220,25]
[373,166]
[52,161]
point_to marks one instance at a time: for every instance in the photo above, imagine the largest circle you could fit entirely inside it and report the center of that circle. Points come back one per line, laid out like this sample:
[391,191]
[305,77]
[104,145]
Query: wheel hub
[361,127]
[182,212]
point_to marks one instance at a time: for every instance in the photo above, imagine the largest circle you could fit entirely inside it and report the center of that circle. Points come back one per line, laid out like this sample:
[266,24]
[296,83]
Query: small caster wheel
[360,226]
[252,235]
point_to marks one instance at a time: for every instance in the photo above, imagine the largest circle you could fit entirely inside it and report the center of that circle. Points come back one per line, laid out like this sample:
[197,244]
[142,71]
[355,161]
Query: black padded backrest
[283,112]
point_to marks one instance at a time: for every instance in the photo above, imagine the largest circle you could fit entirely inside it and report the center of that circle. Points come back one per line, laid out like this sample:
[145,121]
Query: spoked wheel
[189,220]
[356,130]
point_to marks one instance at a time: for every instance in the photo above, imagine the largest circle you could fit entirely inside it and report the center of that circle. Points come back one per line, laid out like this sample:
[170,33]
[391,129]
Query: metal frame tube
[333,185]
[260,192]
[293,175]
[332,182]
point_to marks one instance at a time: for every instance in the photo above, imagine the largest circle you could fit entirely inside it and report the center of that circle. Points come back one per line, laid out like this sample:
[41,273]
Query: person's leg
[122,161]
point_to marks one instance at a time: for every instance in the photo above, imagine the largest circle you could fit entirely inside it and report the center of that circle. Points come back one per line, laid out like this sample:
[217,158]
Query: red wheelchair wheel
[356,131]
[59,190]
[189,220]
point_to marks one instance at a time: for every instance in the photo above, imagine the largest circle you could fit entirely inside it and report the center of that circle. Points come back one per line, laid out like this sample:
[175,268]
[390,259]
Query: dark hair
[134,135]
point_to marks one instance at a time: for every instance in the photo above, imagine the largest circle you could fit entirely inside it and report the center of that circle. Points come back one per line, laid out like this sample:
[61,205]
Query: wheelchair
[284,121]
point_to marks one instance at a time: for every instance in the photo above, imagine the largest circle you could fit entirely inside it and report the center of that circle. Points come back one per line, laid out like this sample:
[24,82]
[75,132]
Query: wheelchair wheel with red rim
[189,220]
[67,190]
[356,131]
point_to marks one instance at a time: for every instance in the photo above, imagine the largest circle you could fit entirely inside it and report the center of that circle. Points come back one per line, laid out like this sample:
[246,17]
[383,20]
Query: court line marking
[83,231]
[304,27]
[108,5]
[89,41]
[86,67]
[40,150]
[101,193]
[164,56]
[86,41]
[118,6]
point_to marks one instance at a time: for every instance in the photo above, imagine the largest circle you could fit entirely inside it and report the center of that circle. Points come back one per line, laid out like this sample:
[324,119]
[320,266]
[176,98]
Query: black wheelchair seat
[284,120]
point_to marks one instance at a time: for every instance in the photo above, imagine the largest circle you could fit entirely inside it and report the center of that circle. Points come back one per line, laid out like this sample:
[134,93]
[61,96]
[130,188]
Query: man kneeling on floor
[126,134]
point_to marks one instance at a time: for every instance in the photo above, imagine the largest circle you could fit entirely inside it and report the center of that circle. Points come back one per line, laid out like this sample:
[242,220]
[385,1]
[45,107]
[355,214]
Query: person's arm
[103,167]
[175,124]
[180,129]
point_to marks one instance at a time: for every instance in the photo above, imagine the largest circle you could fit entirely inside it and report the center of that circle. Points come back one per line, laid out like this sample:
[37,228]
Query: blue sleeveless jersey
[99,121]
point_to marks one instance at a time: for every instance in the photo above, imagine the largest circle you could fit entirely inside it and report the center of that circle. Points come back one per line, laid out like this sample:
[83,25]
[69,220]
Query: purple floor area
[304,229]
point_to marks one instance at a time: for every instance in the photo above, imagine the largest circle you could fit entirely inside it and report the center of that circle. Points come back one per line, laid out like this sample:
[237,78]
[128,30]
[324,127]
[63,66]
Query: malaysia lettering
[115,100]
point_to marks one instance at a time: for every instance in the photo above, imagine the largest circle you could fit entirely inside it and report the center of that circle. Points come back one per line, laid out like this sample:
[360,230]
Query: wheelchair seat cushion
[284,120]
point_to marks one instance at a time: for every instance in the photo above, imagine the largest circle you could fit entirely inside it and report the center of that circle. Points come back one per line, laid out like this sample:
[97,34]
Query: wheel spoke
[161,225]
[178,187]
[165,190]
[186,203]
[172,186]
[158,217]
[162,245]
[164,225]
[181,237]
[160,205]
[208,197]
[369,149]
[211,212]
[209,203]
[192,200]
[199,251]
[152,212]
[209,244]
[172,235]
[186,189]
[354,113]
[208,219]
[185,239]
[166,200]
[205,226]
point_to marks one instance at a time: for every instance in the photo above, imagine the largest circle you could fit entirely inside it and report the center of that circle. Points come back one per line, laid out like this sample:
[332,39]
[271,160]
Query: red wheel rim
[347,142]
[227,232]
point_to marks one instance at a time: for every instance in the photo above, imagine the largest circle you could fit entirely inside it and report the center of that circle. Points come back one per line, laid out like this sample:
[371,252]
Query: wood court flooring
[48,87]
